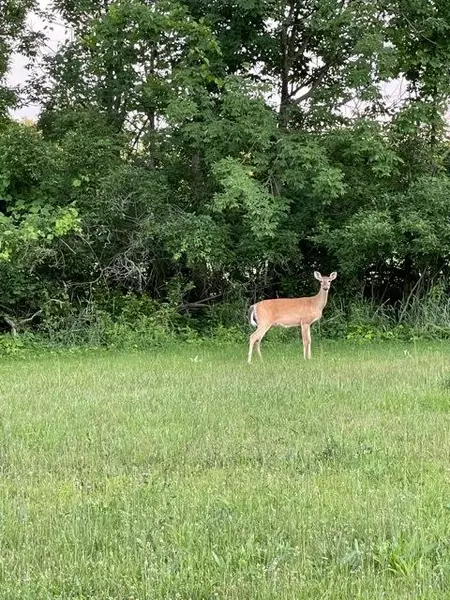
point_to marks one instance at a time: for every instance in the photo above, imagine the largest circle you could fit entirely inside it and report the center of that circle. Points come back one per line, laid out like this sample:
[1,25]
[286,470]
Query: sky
[18,73]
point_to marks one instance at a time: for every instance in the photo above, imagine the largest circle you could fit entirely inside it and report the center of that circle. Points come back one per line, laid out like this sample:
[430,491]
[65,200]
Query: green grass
[187,474]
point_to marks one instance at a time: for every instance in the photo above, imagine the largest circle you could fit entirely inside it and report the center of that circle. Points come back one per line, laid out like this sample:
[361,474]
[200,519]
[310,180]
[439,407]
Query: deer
[289,312]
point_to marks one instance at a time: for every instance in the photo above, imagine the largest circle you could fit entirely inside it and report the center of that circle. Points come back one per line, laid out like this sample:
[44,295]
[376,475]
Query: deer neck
[322,298]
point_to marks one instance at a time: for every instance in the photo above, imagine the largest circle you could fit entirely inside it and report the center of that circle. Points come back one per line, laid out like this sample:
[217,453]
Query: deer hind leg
[256,338]
[258,343]
[306,337]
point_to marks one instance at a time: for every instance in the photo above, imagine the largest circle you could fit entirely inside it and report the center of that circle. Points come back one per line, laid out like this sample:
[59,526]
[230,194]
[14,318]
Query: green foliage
[11,346]
[130,57]
[366,238]
[209,154]
[242,194]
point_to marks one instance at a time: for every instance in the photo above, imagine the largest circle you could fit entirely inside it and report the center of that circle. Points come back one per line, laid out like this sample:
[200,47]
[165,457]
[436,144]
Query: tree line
[196,156]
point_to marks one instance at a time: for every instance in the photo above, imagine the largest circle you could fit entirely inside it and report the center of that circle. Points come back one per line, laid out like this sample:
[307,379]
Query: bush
[137,322]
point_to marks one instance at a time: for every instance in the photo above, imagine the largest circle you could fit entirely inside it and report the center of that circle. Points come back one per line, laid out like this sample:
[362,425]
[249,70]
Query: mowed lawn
[186,474]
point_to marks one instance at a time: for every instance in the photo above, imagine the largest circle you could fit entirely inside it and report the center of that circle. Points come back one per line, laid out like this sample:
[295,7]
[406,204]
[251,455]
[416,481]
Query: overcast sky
[18,72]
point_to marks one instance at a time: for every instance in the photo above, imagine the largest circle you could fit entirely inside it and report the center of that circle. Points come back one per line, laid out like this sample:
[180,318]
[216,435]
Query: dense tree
[195,150]
[315,56]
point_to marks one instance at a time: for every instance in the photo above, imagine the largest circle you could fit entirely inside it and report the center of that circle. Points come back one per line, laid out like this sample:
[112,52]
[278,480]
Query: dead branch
[12,324]
[16,325]
[196,305]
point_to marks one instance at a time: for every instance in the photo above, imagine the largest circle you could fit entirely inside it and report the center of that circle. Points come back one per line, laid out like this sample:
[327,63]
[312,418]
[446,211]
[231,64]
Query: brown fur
[290,312]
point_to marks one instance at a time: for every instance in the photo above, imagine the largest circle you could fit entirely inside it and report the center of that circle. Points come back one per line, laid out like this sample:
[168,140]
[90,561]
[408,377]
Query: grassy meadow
[184,473]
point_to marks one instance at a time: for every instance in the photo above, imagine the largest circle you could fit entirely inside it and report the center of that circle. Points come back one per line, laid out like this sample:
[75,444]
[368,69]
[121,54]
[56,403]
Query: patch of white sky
[393,92]
[55,33]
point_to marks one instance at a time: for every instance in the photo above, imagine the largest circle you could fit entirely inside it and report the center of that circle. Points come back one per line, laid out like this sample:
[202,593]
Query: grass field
[187,474]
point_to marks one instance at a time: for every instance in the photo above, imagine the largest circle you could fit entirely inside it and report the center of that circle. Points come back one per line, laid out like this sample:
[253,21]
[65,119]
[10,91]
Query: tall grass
[429,316]
[129,322]
[186,474]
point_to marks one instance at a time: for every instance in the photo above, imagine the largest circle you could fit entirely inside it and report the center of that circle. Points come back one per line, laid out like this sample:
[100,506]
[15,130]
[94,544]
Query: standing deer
[289,312]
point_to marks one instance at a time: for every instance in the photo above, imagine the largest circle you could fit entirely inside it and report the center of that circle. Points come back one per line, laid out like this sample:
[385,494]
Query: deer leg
[303,341]
[256,338]
[258,343]
[306,336]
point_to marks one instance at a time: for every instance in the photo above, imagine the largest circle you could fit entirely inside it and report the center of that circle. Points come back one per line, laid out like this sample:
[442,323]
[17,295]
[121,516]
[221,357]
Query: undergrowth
[141,323]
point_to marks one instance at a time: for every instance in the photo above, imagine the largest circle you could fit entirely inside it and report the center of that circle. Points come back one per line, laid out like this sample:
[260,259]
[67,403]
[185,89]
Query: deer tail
[252,316]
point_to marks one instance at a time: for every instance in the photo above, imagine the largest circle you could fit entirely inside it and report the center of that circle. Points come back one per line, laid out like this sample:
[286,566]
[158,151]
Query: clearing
[184,474]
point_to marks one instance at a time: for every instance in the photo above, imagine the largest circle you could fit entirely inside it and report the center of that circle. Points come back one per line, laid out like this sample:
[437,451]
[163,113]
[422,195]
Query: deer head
[325,282]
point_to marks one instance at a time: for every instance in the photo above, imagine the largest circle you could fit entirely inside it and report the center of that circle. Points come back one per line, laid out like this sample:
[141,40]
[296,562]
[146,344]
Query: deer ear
[317,275]
[333,275]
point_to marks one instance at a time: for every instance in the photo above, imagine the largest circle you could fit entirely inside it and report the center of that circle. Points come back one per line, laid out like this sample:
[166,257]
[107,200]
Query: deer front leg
[306,337]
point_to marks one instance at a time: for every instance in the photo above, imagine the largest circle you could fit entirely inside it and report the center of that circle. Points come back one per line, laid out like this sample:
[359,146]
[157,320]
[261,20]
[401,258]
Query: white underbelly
[297,324]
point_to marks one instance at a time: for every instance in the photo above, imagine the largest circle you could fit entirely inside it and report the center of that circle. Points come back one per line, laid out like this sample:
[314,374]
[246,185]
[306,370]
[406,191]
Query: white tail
[251,316]
[289,312]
